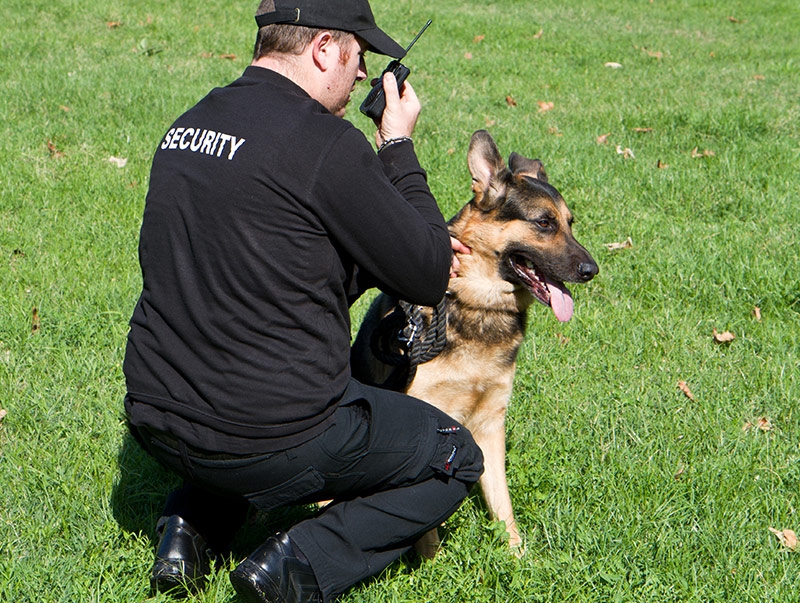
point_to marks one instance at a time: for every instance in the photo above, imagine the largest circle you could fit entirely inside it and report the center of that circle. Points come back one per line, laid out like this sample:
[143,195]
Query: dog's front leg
[429,544]
[491,437]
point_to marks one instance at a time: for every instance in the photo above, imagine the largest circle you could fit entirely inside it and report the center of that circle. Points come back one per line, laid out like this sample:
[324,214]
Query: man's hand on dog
[458,247]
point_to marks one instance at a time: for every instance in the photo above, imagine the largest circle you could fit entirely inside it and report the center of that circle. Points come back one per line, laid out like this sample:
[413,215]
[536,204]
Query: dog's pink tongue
[560,301]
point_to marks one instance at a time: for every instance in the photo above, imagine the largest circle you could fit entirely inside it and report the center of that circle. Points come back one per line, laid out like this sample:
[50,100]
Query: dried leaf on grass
[661,165]
[478,39]
[787,538]
[684,387]
[3,413]
[626,244]
[54,152]
[613,65]
[757,313]
[603,138]
[724,337]
[120,162]
[705,153]
[510,101]
[762,424]
[626,152]
[545,106]
[36,324]
[211,55]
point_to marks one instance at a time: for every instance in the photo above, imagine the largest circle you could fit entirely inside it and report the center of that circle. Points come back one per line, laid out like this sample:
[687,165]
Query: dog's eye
[544,223]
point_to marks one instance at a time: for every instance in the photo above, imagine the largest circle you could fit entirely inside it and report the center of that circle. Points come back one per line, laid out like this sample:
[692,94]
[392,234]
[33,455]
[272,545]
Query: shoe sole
[175,585]
[244,583]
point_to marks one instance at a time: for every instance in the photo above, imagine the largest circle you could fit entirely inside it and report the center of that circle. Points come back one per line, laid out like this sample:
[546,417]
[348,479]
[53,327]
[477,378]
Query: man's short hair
[285,38]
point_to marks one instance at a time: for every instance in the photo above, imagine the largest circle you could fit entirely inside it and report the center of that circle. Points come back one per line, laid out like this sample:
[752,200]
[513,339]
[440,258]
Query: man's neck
[286,66]
[314,69]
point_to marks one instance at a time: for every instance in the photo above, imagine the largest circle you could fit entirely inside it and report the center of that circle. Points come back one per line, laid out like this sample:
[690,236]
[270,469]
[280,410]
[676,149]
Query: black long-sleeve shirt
[266,217]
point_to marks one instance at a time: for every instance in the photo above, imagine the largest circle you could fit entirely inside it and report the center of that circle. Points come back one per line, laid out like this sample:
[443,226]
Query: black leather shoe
[183,559]
[274,574]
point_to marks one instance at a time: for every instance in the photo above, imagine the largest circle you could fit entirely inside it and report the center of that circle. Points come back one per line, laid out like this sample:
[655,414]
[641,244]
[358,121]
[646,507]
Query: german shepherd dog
[519,231]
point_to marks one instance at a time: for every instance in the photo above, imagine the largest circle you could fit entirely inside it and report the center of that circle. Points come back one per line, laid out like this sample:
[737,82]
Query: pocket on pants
[302,486]
[457,453]
[347,440]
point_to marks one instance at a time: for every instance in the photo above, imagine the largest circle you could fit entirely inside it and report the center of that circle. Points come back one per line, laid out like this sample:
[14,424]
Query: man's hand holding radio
[401,113]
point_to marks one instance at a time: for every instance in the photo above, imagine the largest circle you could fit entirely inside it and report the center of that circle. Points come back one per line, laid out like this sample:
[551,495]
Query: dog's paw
[519,551]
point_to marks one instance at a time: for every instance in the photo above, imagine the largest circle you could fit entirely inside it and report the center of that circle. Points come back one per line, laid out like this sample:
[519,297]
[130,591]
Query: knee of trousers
[458,456]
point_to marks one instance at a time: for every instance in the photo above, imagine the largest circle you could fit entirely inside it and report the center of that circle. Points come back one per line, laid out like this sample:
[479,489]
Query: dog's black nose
[587,270]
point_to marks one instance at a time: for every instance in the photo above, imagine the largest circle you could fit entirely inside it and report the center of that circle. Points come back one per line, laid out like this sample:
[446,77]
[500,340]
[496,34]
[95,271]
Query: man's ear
[324,50]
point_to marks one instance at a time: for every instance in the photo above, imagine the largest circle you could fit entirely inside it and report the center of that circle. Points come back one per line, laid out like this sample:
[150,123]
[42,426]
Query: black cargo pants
[394,466]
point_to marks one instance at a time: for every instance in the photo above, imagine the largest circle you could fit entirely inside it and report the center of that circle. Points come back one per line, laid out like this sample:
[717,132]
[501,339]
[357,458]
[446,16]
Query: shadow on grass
[142,487]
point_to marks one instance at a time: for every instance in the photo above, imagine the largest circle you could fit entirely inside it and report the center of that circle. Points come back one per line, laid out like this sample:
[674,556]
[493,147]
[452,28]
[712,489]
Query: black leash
[403,339]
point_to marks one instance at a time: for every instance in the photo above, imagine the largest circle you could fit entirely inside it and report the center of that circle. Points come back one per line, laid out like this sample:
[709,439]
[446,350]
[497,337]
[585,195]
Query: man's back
[258,212]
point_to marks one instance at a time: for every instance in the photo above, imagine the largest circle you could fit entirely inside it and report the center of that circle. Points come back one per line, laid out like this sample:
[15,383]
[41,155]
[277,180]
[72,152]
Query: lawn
[653,441]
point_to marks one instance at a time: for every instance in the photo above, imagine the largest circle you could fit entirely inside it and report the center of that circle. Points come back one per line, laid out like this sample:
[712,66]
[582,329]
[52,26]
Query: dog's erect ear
[527,167]
[485,165]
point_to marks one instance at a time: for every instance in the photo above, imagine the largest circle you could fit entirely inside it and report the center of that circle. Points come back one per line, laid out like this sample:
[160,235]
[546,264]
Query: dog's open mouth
[550,293]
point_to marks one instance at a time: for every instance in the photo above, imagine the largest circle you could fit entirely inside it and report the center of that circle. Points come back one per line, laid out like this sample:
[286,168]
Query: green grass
[626,489]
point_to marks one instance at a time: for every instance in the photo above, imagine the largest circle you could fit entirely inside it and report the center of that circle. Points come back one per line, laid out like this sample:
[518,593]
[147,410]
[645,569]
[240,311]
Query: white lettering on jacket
[207,142]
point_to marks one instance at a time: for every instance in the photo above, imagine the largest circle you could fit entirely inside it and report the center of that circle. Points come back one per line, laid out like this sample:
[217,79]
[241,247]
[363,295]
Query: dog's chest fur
[474,373]
[497,331]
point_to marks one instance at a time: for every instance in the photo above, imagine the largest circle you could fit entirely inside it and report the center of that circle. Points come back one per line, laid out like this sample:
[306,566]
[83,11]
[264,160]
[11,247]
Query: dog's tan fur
[515,215]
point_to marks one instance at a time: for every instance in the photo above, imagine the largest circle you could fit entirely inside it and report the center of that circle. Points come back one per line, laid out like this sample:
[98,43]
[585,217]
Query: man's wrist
[387,142]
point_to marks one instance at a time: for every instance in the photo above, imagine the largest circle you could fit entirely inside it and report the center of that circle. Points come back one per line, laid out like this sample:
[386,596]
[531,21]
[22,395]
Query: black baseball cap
[354,16]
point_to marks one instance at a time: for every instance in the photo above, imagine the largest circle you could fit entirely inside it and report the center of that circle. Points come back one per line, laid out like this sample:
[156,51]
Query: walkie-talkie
[375,102]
